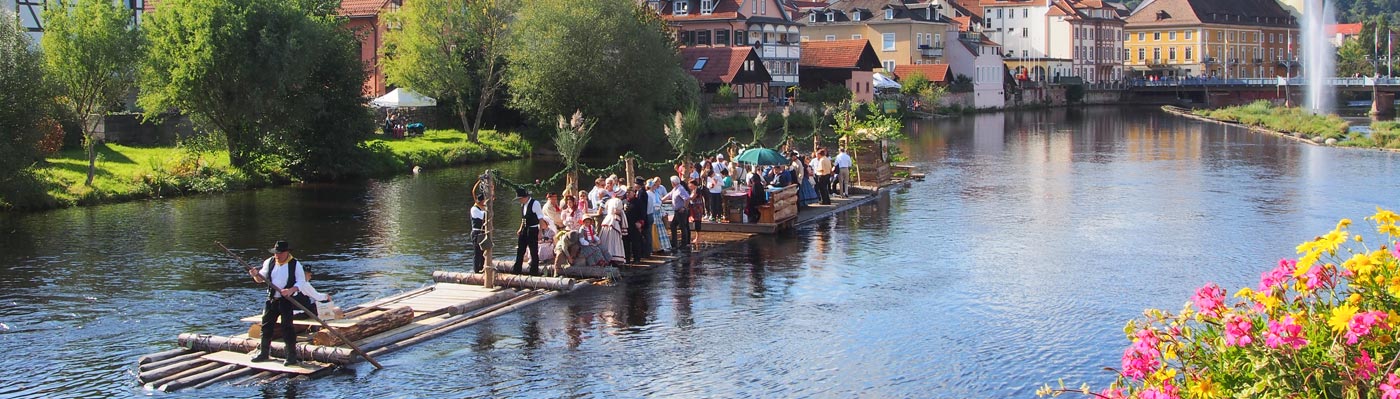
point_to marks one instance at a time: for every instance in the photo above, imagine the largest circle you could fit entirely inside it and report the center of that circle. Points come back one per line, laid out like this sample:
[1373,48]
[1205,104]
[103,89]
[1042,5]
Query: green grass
[126,173]
[1287,120]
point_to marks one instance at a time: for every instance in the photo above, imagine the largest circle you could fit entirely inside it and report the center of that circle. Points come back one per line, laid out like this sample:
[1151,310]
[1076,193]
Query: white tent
[882,82]
[402,97]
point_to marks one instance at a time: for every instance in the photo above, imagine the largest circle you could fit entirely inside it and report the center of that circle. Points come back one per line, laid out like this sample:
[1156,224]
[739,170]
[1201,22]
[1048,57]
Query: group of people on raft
[616,223]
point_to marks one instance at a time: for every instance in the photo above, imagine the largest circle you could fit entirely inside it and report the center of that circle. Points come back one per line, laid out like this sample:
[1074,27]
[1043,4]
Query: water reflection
[1034,237]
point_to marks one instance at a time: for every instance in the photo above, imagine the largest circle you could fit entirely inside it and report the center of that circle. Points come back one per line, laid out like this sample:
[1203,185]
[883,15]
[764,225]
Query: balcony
[780,51]
[930,51]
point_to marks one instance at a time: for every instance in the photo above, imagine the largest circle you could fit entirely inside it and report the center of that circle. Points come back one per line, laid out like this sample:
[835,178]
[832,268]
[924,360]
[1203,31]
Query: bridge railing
[1258,82]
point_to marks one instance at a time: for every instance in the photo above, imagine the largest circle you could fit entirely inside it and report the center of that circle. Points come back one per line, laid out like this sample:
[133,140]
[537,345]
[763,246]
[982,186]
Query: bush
[961,84]
[1322,325]
[1264,114]
[914,84]
[725,95]
[1386,134]
[829,95]
[1074,93]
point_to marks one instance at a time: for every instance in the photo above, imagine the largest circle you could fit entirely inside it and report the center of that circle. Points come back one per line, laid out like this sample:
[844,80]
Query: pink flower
[1168,391]
[1287,332]
[1365,368]
[1139,362]
[1390,389]
[1147,340]
[1270,279]
[1361,324]
[1209,299]
[1316,277]
[1237,331]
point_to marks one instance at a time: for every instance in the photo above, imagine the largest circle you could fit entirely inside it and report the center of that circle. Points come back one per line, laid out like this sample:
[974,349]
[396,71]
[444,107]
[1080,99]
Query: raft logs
[379,323]
[215,343]
[505,280]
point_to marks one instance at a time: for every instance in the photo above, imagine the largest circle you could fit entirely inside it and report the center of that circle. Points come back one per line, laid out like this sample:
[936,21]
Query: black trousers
[824,189]
[636,244]
[478,255]
[274,309]
[680,223]
[716,204]
[529,238]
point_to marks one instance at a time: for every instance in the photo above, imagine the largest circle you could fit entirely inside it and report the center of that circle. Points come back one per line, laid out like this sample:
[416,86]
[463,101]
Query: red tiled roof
[1345,29]
[355,8]
[932,72]
[1012,3]
[1267,13]
[807,4]
[721,64]
[724,9]
[972,6]
[964,23]
[849,54]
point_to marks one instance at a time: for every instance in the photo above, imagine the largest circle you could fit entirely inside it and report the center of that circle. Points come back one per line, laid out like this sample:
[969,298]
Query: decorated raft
[454,301]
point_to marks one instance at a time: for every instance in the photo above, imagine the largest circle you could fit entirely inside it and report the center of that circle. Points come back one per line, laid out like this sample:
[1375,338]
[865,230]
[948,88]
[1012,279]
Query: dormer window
[889,13]
[680,7]
[830,16]
[707,6]
[812,17]
[855,15]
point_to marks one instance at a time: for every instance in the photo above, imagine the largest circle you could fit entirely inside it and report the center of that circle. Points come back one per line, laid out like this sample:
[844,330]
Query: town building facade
[1212,39]
[902,32]
[765,25]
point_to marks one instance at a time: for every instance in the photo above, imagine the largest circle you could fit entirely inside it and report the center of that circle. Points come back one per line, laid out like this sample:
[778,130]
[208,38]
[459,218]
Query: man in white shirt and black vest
[531,213]
[478,233]
[287,275]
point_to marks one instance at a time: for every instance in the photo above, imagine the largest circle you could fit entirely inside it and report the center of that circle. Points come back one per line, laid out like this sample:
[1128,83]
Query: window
[855,15]
[1025,54]
[999,13]
[805,38]
[1025,32]
[706,6]
[700,63]
[1011,15]
[889,42]
[722,37]
[1156,54]
[857,37]
[1171,35]
[1188,54]
[702,38]
[919,39]
[688,38]
[828,38]
[1188,35]
[889,13]
[1156,36]
[1232,36]
[1142,36]
[739,90]
[830,16]
[680,7]
[740,38]
[1171,53]
[889,66]
[812,17]
[937,40]
[1025,13]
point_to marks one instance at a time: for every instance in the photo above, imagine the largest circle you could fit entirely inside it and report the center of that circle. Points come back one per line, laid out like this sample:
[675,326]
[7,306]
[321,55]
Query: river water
[1034,238]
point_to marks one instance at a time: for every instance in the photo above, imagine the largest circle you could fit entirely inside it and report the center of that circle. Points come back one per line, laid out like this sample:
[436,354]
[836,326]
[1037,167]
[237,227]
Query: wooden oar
[308,312]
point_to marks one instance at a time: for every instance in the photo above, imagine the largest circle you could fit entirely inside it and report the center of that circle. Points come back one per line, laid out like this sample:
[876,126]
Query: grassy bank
[1285,120]
[1383,135]
[130,173]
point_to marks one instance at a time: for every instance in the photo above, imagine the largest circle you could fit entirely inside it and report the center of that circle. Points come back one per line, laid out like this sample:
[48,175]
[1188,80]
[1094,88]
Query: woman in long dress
[806,190]
[610,233]
[658,212]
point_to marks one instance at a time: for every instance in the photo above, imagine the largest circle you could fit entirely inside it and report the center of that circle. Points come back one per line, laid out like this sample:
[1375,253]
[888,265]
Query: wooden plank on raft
[371,326]
[242,359]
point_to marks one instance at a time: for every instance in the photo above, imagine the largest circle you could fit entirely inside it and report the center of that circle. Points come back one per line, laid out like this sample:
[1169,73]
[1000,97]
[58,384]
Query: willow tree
[91,51]
[570,138]
[452,50]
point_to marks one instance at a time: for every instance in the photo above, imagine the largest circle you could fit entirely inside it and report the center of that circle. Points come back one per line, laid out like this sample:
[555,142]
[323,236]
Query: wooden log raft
[505,280]
[377,324]
[576,271]
[215,343]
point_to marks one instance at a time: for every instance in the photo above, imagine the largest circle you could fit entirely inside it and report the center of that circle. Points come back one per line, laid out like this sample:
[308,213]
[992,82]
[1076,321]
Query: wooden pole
[180,383]
[631,167]
[159,356]
[373,325]
[485,182]
[309,313]
[215,343]
[235,374]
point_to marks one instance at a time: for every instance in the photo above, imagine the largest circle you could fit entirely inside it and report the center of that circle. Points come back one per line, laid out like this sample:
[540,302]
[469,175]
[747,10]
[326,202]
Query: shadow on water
[1034,237]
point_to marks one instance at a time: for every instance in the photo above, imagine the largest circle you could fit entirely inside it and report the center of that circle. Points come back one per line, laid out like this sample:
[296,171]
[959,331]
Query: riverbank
[125,173]
[1294,124]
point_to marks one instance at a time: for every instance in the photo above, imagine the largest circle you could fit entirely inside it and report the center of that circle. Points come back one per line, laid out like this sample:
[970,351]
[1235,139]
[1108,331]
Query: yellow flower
[1269,301]
[1384,216]
[1341,315]
[1356,238]
[1333,240]
[1390,229]
[1361,264]
[1204,388]
[1306,262]
[1354,298]
[1244,293]
[1342,224]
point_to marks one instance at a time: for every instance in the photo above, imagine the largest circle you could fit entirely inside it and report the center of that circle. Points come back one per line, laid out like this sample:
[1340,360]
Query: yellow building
[1208,38]
[901,33]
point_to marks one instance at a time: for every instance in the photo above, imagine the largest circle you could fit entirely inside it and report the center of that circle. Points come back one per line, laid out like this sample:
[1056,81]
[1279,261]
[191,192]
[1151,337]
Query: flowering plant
[1322,325]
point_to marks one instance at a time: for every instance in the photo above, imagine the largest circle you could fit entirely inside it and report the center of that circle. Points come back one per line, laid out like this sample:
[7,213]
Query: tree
[273,78]
[914,84]
[91,53]
[450,49]
[24,92]
[612,59]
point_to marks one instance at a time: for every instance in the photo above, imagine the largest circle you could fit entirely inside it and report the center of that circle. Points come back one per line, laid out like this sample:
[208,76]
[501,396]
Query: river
[1036,235]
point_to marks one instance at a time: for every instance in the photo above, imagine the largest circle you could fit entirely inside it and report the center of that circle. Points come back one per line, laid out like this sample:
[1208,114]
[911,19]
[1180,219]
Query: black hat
[641,182]
[280,247]
[480,197]
[521,193]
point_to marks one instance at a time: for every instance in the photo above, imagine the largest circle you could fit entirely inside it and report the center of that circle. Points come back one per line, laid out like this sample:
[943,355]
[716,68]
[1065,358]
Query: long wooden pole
[308,312]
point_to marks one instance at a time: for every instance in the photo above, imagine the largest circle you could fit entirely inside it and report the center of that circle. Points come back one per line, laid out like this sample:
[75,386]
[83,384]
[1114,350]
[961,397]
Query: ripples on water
[1035,236]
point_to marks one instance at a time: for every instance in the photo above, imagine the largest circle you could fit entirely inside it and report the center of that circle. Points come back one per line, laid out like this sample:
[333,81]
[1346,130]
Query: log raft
[455,301]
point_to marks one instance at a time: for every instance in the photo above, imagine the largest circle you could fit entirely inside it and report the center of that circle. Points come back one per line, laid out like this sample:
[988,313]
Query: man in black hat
[287,275]
[478,233]
[531,213]
[638,222]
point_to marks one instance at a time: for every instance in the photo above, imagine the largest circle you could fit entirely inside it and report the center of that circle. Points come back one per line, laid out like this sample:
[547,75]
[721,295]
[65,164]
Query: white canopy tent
[402,97]
[882,82]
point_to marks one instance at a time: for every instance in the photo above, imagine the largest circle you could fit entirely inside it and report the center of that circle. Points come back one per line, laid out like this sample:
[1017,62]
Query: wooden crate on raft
[783,205]
[870,160]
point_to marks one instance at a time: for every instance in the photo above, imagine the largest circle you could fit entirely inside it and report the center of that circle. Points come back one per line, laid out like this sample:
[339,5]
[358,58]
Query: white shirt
[539,211]
[843,160]
[477,213]
[595,196]
[719,166]
[278,277]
